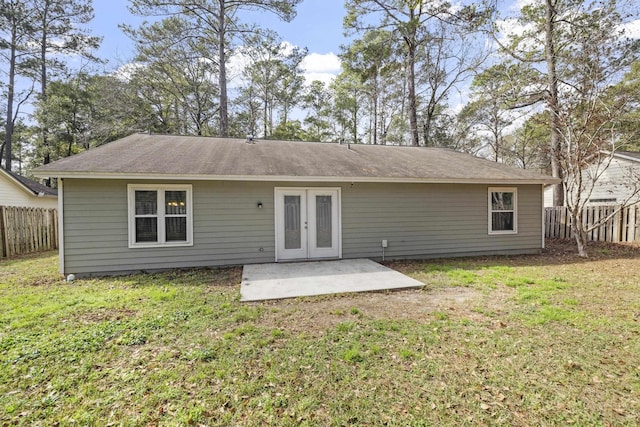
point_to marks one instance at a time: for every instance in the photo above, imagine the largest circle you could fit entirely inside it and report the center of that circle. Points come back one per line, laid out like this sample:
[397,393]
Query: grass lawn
[549,339]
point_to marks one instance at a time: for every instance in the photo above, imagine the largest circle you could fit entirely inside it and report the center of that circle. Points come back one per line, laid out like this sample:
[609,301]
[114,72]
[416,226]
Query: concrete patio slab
[289,280]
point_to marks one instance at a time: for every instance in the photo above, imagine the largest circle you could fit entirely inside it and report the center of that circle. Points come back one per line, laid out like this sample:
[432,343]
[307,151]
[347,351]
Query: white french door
[307,223]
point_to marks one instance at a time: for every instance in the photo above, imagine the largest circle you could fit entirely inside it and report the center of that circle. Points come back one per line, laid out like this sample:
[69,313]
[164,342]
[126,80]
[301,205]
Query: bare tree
[590,140]
[452,56]
[569,46]
[413,22]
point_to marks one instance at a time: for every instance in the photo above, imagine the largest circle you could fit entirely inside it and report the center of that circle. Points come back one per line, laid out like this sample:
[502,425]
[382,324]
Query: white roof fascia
[622,156]
[274,178]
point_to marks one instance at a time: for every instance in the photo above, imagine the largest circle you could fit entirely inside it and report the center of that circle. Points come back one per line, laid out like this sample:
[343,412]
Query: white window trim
[160,188]
[513,190]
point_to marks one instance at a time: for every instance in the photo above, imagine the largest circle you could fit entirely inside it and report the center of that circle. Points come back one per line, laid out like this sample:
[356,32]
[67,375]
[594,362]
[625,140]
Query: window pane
[175,202]
[502,221]
[146,229]
[323,221]
[292,232]
[501,201]
[176,229]
[146,203]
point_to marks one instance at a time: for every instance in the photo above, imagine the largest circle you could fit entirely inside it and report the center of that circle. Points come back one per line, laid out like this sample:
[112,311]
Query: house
[148,202]
[16,190]
[618,183]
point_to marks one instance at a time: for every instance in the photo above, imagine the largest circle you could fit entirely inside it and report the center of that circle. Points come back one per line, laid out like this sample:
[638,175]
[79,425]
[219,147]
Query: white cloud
[519,4]
[511,27]
[235,68]
[325,78]
[315,66]
[632,29]
[321,66]
[321,63]
[126,71]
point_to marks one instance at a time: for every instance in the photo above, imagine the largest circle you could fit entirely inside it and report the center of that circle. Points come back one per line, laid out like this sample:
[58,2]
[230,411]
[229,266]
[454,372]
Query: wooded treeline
[545,87]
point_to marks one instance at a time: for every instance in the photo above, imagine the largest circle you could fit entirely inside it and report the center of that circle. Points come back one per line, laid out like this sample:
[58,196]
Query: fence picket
[24,230]
[621,227]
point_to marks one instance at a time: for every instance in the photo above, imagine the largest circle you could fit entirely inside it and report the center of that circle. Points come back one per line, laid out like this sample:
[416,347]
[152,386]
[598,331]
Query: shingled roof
[30,186]
[189,157]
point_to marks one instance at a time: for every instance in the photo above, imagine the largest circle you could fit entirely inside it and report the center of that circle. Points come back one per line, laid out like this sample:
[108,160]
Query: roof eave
[282,178]
[19,184]
[625,157]
[620,155]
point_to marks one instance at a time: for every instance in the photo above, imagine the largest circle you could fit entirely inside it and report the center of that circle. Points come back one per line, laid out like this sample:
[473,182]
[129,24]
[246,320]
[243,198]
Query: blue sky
[317,26]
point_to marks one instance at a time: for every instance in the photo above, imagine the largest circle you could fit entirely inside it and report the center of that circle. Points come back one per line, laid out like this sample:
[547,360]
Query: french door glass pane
[176,229]
[146,229]
[292,231]
[146,202]
[323,222]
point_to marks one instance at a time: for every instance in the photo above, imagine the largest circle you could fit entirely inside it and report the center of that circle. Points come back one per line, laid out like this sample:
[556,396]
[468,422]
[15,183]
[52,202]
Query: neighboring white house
[616,184]
[16,190]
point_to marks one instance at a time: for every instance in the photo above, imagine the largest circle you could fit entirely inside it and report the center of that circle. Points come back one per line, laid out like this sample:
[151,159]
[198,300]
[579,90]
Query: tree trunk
[43,89]
[285,112]
[426,127]
[8,135]
[376,95]
[265,116]
[270,109]
[224,115]
[355,121]
[413,115]
[495,130]
[552,103]
[581,240]
[578,231]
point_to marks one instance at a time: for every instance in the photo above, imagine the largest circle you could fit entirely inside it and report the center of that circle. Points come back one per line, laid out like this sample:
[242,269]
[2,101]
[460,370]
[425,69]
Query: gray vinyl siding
[418,220]
[228,228]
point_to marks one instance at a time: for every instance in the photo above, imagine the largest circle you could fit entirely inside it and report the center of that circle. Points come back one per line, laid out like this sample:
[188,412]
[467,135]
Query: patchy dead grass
[314,315]
[548,339]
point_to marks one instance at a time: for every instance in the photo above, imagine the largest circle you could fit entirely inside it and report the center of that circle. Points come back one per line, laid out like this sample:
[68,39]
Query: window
[160,215]
[503,213]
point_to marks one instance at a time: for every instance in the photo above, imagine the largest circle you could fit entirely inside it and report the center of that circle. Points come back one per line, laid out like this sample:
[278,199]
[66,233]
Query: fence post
[4,251]
[633,235]
[624,225]
[56,231]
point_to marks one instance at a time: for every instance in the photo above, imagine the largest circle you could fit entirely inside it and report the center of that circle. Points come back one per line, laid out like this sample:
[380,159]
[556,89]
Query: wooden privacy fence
[24,230]
[623,226]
